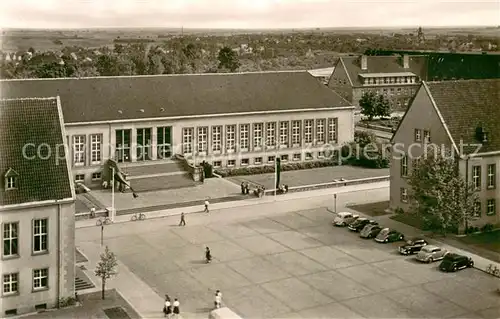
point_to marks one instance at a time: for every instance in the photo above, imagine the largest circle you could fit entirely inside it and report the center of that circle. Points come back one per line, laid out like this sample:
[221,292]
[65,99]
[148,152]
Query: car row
[425,252]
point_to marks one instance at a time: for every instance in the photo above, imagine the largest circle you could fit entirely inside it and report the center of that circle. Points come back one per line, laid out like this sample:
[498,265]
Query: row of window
[392,91]
[490,204]
[420,135]
[40,281]
[79,143]
[257,135]
[11,238]
[391,80]
[96,177]
[270,159]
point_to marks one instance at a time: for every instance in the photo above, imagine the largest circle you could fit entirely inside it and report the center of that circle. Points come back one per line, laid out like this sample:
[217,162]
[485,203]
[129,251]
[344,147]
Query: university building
[229,120]
[36,207]
[463,116]
[395,77]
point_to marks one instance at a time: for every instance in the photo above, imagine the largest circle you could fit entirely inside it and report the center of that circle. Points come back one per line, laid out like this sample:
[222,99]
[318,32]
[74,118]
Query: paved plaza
[292,265]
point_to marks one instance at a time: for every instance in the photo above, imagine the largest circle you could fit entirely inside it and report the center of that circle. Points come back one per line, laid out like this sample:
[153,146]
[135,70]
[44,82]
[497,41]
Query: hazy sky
[246,13]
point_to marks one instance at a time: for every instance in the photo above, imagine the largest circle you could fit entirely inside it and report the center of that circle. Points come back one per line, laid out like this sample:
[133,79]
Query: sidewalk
[242,203]
[409,232]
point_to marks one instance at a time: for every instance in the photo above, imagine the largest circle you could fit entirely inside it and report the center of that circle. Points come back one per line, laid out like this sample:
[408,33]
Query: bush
[270,168]
[487,228]
[399,211]
[67,302]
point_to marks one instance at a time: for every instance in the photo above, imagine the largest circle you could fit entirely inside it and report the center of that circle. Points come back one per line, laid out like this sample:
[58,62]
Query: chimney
[406,61]
[364,62]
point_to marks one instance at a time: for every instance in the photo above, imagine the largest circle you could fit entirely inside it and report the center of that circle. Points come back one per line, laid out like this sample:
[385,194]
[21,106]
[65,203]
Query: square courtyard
[295,265]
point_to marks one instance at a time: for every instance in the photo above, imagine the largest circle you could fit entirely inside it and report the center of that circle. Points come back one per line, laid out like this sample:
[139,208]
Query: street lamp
[335,203]
[102,234]
[113,194]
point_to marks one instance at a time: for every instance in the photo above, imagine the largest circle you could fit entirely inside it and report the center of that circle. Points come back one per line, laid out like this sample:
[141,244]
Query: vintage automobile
[344,218]
[370,231]
[360,223]
[431,253]
[412,246]
[454,262]
[387,235]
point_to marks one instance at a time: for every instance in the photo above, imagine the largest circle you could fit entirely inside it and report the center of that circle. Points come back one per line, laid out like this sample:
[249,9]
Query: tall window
[79,150]
[202,139]
[491,207]
[244,136]
[40,279]
[257,134]
[427,136]
[123,145]
[143,149]
[10,283]
[491,176]
[295,133]
[404,166]
[187,140]
[271,134]
[10,182]
[164,142]
[418,135]
[476,177]
[217,138]
[40,235]
[230,138]
[284,135]
[320,131]
[332,131]
[10,239]
[95,148]
[308,128]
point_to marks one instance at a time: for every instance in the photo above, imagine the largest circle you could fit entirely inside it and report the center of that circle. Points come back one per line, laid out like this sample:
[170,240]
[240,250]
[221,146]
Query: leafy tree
[106,268]
[106,65]
[54,70]
[228,59]
[374,105]
[440,196]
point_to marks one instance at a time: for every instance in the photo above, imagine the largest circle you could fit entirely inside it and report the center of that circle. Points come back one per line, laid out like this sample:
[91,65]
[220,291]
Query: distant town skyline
[246,14]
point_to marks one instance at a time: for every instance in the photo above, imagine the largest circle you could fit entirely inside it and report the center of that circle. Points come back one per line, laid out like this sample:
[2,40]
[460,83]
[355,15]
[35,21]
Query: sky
[247,14]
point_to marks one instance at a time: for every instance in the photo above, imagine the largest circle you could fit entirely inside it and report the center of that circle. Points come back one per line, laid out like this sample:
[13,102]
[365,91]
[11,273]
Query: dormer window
[11,179]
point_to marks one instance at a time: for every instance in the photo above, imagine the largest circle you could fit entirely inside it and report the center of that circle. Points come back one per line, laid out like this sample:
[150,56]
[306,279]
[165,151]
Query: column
[154,140]
[133,144]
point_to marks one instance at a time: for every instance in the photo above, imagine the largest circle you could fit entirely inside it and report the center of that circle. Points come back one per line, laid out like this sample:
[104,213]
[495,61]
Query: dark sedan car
[454,262]
[370,231]
[387,235]
[360,223]
[413,246]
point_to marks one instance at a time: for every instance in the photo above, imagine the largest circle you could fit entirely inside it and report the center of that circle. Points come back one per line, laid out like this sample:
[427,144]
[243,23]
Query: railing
[195,171]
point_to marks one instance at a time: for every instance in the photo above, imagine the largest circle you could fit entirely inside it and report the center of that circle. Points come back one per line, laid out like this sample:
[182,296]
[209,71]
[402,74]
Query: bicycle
[138,216]
[493,270]
[103,221]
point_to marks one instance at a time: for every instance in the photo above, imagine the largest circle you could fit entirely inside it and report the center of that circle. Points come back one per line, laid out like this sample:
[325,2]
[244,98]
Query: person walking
[206,206]
[183,220]
[218,299]
[167,308]
[176,305]
[208,255]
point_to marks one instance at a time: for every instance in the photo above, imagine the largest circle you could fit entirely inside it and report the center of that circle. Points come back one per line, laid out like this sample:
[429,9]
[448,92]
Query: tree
[107,65]
[106,268]
[440,196]
[228,59]
[374,105]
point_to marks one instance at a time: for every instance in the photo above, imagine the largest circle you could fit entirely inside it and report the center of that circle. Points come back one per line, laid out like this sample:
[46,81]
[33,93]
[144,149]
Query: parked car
[454,262]
[431,253]
[412,246]
[370,231]
[360,223]
[344,218]
[387,235]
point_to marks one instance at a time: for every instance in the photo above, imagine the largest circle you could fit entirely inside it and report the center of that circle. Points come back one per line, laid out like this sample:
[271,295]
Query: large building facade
[395,77]
[460,115]
[229,120]
[36,207]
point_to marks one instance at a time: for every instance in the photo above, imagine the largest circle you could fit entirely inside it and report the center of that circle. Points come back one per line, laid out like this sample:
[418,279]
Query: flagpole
[113,195]
[275,172]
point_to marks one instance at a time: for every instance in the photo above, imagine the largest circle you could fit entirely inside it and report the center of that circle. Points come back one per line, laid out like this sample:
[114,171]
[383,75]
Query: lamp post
[102,235]
[113,194]
[335,203]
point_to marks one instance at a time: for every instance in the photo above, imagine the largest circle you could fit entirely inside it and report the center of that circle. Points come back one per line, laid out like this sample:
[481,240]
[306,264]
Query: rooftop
[144,97]
[467,105]
[26,125]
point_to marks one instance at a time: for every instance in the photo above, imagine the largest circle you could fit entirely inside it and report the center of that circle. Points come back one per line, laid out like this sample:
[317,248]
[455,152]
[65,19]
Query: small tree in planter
[106,268]
[374,105]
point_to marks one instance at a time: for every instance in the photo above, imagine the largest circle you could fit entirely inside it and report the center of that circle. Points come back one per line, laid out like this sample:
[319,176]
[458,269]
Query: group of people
[258,191]
[283,189]
[171,307]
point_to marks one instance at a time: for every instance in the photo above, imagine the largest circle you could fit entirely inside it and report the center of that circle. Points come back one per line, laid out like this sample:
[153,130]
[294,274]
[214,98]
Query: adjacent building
[395,77]
[229,120]
[36,207]
[463,116]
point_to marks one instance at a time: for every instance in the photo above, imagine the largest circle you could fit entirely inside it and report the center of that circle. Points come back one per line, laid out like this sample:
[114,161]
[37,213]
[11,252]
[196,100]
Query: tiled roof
[466,105]
[36,121]
[101,98]
[383,64]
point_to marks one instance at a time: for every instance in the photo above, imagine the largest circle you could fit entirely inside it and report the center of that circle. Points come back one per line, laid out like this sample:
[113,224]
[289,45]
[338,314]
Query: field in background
[44,40]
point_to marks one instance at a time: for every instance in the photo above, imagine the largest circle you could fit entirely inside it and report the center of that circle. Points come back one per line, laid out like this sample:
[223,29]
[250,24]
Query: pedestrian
[176,305]
[247,188]
[167,308]
[218,299]
[206,206]
[242,188]
[183,220]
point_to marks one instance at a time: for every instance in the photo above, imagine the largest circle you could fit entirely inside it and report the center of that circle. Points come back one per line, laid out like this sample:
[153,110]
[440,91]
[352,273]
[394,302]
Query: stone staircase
[154,176]
[81,280]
